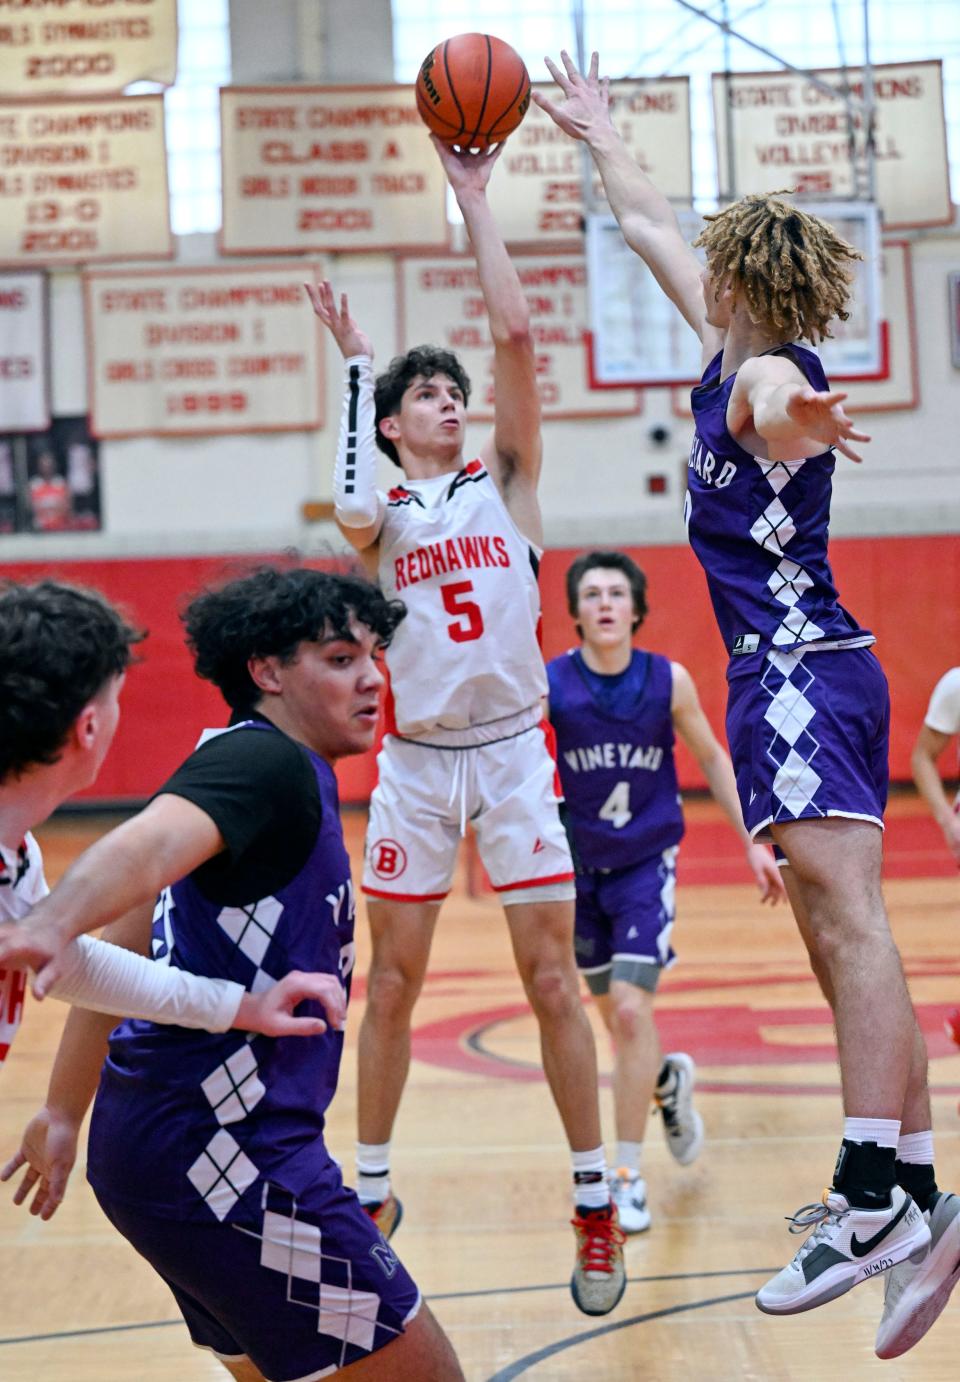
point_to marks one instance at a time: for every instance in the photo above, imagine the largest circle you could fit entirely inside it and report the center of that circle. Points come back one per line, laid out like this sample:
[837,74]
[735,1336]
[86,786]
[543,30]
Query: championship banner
[84,180]
[440,301]
[786,132]
[175,352]
[85,47]
[338,169]
[24,395]
[536,191]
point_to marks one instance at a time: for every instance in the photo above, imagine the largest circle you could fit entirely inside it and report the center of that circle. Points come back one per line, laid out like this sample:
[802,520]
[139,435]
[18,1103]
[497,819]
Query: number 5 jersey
[467,655]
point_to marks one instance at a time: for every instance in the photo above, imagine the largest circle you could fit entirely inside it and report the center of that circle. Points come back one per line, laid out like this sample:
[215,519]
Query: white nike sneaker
[629,1194]
[846,1247]
[682,1124]
[918,1289]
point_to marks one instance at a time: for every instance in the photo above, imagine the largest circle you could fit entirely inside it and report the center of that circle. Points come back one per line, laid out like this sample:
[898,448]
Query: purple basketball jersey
[617,767]
[217,1115]
[759,529]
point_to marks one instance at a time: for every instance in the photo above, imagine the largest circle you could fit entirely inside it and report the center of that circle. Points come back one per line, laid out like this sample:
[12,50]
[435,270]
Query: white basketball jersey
[22,885]
[468,653]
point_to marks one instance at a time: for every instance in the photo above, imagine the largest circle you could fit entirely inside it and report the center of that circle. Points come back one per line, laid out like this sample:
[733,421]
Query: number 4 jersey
[467,654]
[615,754]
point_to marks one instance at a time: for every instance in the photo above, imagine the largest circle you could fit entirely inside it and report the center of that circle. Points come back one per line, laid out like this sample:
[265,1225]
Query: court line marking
[447,1295]
[517,1369]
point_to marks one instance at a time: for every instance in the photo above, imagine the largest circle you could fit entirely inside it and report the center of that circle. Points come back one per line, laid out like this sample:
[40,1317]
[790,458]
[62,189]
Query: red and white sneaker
[599,1275]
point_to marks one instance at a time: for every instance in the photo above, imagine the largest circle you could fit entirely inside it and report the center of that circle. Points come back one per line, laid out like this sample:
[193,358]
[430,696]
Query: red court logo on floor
[387,858]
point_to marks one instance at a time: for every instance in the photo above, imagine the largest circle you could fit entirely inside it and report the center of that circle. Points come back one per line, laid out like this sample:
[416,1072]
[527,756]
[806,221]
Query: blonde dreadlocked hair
[793,269]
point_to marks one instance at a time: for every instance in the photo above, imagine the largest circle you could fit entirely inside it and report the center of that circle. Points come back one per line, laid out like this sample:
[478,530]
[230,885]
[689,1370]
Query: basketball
[473,90]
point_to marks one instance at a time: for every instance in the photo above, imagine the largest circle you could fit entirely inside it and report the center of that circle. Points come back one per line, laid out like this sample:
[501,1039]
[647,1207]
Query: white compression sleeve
[109,979]
[355,496]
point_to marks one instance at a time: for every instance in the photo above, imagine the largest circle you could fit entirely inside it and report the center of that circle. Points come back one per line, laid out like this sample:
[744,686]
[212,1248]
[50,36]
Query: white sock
[916,1148]
[883,1131]
[590,1188]
[628,1156]
[373,1172]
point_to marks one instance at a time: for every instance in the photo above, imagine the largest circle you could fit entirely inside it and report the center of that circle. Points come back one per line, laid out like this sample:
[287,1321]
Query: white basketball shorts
[424,797]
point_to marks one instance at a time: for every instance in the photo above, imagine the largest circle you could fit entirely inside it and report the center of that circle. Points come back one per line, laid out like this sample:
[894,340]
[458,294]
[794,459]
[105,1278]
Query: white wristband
[109,979]
[355,496]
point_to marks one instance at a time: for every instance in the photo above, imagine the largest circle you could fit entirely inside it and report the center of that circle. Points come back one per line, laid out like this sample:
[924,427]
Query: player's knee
[626,1021]
[391,993]
[551,992]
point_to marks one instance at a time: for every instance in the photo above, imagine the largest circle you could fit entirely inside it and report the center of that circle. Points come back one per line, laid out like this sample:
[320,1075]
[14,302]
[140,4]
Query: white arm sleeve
[109,979]
[355,496]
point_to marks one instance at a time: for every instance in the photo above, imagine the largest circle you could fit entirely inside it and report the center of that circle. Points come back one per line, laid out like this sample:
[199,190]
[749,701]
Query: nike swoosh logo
[861,1249]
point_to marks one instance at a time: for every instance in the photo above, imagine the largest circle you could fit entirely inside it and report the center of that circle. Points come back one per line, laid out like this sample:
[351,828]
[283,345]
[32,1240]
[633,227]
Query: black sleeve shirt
[259,788]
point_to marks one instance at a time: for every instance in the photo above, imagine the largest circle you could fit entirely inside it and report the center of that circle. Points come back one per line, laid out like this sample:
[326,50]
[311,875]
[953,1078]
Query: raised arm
[513,452]
[358,505]
[772,399]
[694,729]
[648,221]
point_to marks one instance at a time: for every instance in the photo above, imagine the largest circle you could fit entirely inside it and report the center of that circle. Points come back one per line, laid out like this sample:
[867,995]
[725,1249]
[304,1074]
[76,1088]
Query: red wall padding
[904,588]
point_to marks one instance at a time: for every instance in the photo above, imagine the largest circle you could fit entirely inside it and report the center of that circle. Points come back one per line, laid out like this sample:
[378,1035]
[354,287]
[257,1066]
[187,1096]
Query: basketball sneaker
[386,1214]
[847,1246]
[599,1275]
[917,1290]
[629,1193]
[673,1096]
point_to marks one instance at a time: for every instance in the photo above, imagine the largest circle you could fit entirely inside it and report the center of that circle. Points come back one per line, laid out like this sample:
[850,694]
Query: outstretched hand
[586,99]
[48,1149]
[33,947]
[767,873]
[342,327]
[271,1012]
[822,417]
[466,172]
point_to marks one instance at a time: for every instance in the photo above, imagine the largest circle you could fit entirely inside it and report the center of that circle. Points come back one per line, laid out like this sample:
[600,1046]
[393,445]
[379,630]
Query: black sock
[919,1182]
[865,1174]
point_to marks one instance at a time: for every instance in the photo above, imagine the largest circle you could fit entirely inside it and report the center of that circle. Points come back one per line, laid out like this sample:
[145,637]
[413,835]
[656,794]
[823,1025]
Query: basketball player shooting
[808,707]
[460,544]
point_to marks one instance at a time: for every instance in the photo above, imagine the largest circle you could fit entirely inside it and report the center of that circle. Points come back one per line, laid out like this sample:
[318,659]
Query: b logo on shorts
[387,858]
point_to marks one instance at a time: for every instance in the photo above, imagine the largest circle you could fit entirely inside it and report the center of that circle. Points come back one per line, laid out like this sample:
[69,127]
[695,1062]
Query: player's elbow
[514,333]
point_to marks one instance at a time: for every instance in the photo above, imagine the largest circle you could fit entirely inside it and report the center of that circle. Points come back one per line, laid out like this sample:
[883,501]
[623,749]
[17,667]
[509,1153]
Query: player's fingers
[544,103]
[16,1161]
[287,1025]
[594,65]
[558,76]
[31,1176]
[572,71]
[46,977]
[848,451]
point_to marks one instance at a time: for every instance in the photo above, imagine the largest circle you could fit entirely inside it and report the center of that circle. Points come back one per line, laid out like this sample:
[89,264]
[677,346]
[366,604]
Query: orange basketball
[473,90]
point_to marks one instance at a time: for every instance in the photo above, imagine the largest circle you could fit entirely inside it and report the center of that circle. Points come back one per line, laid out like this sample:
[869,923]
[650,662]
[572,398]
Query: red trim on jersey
[474,467]
[389,705]
[407,897]
[533,882]
[4,1048]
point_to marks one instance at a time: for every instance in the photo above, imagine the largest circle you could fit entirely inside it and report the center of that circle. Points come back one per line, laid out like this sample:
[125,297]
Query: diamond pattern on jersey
[793,747]
[234,1088]
[667,875]
[788,582]
[221,1173]
[323,1282]
[251,929]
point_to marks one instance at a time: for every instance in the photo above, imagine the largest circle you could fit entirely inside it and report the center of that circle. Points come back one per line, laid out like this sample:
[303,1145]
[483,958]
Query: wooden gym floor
[481,1165]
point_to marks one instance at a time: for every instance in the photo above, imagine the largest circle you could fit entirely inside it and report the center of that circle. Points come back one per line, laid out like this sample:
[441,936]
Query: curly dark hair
[609,561]
[794,270]
[402,370]
[59,647]
[270,612]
